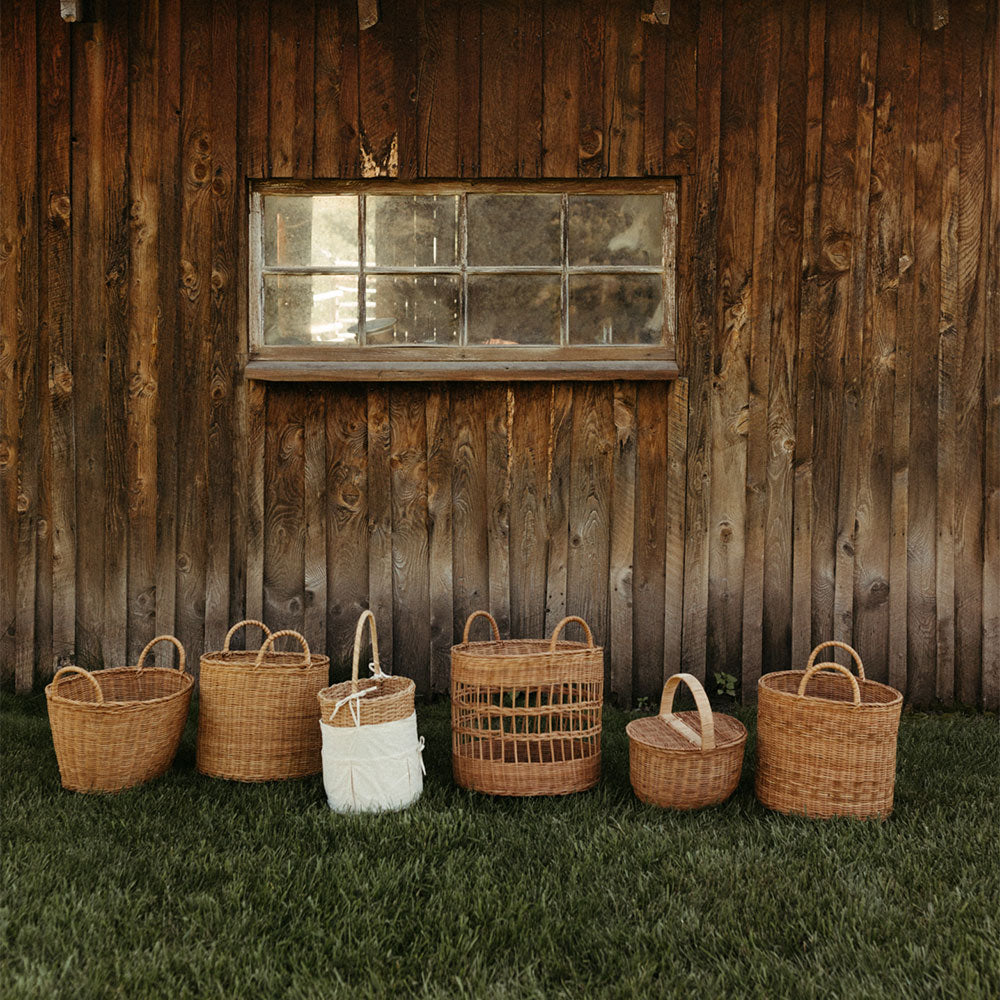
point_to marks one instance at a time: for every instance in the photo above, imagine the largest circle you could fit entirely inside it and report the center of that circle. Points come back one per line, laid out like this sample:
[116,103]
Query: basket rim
[187,682]
[764,685]
[408,687]
[249,660]
[564,647]
[739,740]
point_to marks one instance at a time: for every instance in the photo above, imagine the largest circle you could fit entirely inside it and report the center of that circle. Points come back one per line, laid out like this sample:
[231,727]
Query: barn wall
[827,464]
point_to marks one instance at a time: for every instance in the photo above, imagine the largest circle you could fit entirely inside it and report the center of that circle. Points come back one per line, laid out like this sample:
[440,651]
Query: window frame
[472,362]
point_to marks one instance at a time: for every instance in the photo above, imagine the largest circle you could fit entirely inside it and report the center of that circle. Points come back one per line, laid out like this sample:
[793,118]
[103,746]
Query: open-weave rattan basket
[685,760]
[526,713]
[367,702]
[829,750]
[257,718]
[119,727]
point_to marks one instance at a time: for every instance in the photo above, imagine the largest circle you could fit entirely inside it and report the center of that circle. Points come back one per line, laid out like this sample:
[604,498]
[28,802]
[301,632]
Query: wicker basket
[257,710]
[831,751]
[116,728]
[372,755]
[526,713]
[380,698]
[689,759]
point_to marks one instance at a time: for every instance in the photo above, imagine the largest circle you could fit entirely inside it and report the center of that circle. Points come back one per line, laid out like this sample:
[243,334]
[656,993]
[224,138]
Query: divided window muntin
[515,272]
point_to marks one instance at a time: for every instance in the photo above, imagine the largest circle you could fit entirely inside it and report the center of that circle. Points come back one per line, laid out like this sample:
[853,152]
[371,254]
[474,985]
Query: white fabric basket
[372,768]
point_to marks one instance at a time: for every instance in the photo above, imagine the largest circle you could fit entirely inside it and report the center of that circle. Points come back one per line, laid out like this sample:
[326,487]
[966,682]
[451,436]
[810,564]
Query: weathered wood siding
[828,464]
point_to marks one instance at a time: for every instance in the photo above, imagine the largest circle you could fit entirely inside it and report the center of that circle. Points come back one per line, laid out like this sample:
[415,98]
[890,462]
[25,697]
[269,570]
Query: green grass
[192,887]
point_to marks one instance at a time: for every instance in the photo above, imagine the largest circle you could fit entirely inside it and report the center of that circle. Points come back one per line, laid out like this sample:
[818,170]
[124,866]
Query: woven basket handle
[813,670]
[181,658]
[239,625]
[83,673]
[839,645]
[269,644]
[706,741]
[366,616]
[563,624]
[488,617]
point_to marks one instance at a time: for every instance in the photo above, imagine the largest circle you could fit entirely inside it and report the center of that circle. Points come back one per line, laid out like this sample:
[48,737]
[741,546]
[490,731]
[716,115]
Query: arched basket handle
[181,658]
[269,644]
[815,669]
[706,741]
[83,673]
[489,618]
[369,617]
[836,643]
[563,624]
[239,625]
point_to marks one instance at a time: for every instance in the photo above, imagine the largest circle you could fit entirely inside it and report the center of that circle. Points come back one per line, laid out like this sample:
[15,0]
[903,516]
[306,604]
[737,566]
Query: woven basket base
[504,775]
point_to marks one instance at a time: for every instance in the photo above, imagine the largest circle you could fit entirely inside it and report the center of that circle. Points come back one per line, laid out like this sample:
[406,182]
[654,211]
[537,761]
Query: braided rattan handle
[706,741]
[488,617]
[815,669]
[181,658]
[83,673]
[563,624]
[839,645]
[239,625]
[366,616]
[269,644]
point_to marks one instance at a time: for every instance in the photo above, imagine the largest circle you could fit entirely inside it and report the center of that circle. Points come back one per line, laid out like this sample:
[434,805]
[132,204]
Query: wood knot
[837,252]
[220,387]
[141,386]
[219,279]
[220,186]
[725,532]
[23,503]
[591,143]
[199,172]
[190,281]
[59,208]
[683,135]
[183,562]
[61,383]
[4,454]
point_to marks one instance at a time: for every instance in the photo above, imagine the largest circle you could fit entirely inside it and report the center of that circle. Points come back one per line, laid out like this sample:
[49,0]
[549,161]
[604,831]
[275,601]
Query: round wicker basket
[380,698]
[826,741]
[685,760]
[526,713]
[257,710]
[116,728]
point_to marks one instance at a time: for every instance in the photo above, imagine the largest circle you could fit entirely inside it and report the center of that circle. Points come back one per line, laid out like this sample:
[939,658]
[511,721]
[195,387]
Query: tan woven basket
[257,718]
[526,713]
[685,760]
[830,751]
[116,728]
[380,698]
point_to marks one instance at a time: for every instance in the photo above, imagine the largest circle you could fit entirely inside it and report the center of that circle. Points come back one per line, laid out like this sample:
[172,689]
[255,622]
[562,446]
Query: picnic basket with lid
[257,710]
[118,727]
[372,755]
[526,713]
[685,760]
[826,740]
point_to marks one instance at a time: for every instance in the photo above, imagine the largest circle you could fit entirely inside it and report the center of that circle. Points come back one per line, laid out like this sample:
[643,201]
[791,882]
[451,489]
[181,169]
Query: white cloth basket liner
[371,768]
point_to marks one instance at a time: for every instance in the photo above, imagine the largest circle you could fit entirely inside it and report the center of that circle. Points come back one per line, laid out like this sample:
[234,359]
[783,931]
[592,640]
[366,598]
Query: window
[362,280]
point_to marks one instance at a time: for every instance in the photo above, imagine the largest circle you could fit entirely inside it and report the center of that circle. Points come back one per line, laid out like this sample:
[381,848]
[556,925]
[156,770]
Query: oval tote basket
[372,756]
[826,740]
[526,713]
[116,728]
[257,710]
[685,760]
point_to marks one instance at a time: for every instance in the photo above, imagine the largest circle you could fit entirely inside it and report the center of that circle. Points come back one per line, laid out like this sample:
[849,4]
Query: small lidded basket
[685,760]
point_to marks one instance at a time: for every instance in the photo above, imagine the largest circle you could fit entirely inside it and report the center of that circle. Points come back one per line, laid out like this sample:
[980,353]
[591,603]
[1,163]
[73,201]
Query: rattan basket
[116,728]
[830,751]
[689,759]
[257,710]
[526,713]
[380,698]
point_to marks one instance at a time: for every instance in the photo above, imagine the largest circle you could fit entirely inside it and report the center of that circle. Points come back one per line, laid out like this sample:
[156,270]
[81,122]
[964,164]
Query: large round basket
[116,728]
[257,710]
[685,760]
[526,713]
[826,741]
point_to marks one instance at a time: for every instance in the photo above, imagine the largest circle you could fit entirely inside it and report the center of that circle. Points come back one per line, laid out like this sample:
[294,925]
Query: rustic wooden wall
[827,464]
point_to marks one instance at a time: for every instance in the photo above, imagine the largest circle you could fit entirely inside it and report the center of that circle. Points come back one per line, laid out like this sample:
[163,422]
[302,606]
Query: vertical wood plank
[530,31]
[560,101]
[439,536]
[254,20]
[557,504]
[498,109]
[623,94]
[654,96]
[411,611]
[380,520]
[469,62]
[673,616]
[682,92]
[498,459]
[379,113]
[315,482]
[622,544]
[290,88]
[337,151]
[438,87]
[592,72]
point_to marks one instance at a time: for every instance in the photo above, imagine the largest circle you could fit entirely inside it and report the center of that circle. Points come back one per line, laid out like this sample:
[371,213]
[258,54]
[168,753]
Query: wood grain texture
[314,485]
[557,508]
[380,501]
[622,543]
[499,410]
[439,536]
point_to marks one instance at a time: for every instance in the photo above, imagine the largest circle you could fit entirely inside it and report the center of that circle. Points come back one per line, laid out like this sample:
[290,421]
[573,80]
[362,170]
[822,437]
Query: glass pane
[615,229]
[310,309]
[616,309]
[405,231]
[319,231]
[514,309]
[514,229]
[411,309]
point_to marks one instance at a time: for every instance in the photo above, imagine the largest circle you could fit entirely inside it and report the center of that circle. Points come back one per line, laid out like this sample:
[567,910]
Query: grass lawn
[194,887]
